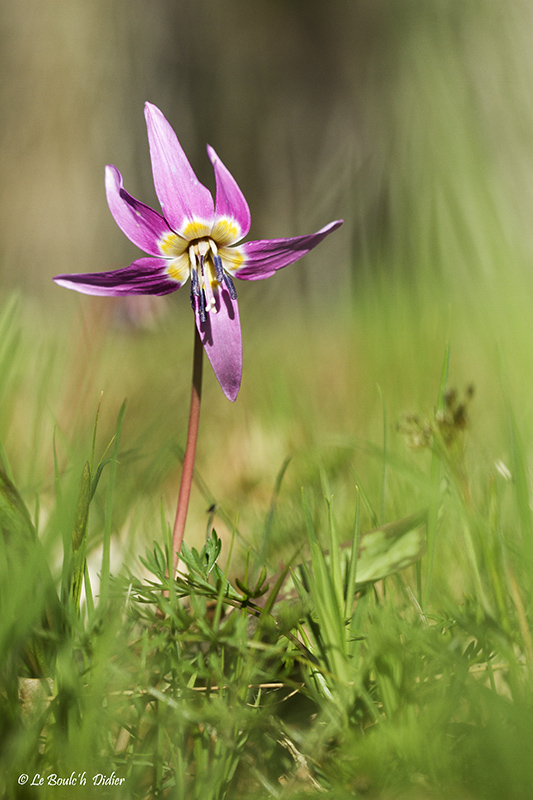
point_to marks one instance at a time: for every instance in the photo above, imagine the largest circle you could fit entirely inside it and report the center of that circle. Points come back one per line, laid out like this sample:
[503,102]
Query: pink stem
[190,450]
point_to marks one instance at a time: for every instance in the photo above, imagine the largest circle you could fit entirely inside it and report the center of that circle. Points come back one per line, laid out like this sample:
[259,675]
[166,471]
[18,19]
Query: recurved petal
[144,276]
[221,338]
[264,257]
[232,215]
[183,198]
[141,224]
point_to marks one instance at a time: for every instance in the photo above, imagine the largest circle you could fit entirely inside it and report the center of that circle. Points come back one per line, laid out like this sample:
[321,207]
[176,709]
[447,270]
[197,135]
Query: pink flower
[193,238]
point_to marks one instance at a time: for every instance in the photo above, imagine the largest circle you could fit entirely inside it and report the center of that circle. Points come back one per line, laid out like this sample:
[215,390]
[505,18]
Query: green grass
[246,679]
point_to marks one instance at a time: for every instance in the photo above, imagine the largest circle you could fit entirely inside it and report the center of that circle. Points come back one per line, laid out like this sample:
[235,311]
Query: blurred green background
[411,119]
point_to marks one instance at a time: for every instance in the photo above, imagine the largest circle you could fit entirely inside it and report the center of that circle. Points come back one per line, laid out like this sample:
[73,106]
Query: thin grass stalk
[354,555]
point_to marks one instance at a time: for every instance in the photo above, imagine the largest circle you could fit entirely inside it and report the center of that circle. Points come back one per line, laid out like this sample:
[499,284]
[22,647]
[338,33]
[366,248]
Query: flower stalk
[190,451]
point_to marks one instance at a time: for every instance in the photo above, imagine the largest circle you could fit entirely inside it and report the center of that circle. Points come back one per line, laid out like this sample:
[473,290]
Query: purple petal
[221,338]
[230,206]
[144,276]
[183,198]
[142,225]
[263,258]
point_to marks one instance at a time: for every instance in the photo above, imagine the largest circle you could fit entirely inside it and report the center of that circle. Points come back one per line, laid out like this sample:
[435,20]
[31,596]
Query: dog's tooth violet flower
[195,239]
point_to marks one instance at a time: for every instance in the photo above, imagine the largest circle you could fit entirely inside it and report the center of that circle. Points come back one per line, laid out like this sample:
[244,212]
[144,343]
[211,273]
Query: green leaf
[211,551]
[98,474]
[160,560]
[79,535]
[16,526]
[391,547]
[32,614]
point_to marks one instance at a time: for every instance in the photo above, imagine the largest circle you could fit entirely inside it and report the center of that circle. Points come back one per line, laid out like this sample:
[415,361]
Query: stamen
[202,306]
[195,285]
[230,287]
[218,269]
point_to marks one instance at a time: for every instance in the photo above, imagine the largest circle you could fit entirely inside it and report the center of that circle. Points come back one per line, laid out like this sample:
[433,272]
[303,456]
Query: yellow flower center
[225,231]
[199,258]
